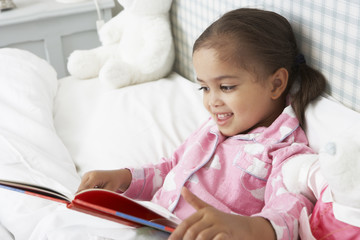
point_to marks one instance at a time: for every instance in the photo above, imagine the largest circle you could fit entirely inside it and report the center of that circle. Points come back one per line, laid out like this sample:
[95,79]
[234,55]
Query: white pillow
[129,126]
[27,134]
[5,234]
[326,119]
[30,149]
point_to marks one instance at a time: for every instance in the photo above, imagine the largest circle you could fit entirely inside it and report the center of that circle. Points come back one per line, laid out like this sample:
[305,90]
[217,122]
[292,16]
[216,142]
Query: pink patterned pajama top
[239,174]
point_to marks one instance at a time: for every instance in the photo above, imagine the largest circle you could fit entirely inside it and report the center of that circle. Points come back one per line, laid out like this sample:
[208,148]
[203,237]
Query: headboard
[328,34]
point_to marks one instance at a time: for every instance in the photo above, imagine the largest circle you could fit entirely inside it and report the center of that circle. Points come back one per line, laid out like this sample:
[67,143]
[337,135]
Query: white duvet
[94,128]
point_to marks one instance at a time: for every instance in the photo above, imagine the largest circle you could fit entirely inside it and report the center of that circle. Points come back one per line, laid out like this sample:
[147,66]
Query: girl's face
[236,100]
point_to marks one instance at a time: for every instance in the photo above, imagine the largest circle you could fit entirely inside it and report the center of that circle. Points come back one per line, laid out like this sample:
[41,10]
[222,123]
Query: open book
[105,204]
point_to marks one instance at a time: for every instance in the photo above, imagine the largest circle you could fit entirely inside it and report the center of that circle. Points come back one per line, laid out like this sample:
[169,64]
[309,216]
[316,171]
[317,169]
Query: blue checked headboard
[328,34]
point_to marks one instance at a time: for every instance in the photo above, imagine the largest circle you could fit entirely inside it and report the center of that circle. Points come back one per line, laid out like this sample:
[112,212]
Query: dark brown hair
[250,38]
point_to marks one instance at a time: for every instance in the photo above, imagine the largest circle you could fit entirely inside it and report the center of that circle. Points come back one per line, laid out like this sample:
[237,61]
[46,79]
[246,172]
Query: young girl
[225,180]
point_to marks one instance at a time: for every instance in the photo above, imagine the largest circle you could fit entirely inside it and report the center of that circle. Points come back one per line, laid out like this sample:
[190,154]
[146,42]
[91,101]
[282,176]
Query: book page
[35,190]
[161,211]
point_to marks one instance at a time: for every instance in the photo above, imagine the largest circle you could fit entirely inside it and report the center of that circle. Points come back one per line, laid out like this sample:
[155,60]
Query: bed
[73,126]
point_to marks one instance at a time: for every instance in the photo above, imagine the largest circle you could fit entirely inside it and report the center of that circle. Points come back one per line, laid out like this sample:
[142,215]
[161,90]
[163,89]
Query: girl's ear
[279,81]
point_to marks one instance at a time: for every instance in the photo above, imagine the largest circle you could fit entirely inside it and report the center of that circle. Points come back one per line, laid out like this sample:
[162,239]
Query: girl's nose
[214,100]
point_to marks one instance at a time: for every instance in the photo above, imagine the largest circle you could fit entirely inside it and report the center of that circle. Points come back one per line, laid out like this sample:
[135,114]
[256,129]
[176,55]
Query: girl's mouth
[222,118]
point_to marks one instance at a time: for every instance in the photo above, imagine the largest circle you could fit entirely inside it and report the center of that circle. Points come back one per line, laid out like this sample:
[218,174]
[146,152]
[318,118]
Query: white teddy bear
[336,214]
[340,165]
[137,46]
[330,179]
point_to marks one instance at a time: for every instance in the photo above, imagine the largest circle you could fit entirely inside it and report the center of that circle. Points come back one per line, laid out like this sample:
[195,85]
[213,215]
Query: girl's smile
[223,118]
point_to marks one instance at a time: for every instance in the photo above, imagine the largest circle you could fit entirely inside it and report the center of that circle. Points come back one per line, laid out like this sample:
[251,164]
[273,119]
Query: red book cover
[104,204]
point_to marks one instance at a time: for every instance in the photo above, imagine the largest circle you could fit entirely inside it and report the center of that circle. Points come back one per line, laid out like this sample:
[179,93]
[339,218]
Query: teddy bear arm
[86,64]
[300,175]
[112,30]
[118,73]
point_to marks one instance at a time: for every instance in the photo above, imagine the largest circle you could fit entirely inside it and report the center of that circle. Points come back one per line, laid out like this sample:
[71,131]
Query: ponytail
[312,84]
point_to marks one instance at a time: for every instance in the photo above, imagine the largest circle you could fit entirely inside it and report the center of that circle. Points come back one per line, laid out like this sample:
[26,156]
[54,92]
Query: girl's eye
[205,89]
[227,88]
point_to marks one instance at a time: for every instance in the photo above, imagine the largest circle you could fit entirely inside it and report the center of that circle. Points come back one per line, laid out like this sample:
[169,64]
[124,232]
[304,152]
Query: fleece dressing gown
[239,174]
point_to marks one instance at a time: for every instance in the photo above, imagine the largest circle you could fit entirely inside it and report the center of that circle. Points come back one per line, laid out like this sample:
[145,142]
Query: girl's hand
[113,180]
[210,223]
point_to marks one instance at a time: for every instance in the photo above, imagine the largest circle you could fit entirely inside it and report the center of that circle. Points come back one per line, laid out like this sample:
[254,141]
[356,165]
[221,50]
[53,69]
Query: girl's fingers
[221,236]
[184,226]
[199,229]
[192,199]
[212,233]
[194,224]
[88,181]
